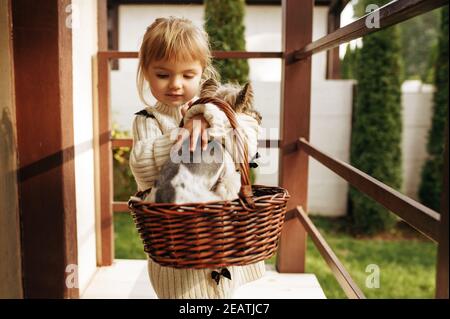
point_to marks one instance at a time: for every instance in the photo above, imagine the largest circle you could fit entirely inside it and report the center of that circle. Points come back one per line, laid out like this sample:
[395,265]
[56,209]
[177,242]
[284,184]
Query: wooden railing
[425,220]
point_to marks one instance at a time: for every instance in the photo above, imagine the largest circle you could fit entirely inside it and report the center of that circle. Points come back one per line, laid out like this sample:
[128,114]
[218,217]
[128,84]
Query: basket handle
[246,188]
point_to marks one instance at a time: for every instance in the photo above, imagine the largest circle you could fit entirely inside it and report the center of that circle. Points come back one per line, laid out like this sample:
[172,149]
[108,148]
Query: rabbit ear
[245,95]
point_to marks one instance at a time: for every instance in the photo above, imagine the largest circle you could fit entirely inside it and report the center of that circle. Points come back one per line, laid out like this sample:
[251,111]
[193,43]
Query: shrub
[377,125]
[431,184]
[224,23]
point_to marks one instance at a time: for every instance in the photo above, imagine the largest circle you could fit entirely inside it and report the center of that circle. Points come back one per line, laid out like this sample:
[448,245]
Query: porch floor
[128,279]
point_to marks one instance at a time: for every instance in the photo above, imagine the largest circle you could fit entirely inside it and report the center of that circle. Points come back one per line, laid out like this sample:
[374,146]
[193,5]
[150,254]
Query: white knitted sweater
[152,141]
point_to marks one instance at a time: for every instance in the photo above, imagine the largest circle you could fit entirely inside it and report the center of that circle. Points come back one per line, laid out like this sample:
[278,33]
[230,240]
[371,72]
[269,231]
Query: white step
[128,279]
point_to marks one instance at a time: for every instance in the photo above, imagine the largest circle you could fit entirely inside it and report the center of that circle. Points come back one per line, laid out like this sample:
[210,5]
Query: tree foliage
[431,184]
[377,125]
[224,23]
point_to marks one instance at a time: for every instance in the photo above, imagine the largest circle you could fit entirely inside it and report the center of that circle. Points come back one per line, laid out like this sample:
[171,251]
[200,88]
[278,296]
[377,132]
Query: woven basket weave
[216,233]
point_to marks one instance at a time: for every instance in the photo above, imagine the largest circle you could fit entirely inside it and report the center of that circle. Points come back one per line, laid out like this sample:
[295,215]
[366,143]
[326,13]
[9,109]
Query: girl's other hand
[193,129]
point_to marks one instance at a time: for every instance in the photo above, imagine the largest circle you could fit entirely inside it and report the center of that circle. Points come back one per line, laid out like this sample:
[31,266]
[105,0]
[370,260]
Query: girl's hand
[184,109]
[193,129]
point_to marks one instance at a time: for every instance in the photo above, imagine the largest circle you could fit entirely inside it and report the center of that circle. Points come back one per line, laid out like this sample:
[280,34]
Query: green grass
[127,243]
[407,266]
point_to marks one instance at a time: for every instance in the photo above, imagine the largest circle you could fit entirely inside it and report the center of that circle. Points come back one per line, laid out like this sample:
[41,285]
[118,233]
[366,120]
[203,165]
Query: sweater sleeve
[150,150]
[220,127]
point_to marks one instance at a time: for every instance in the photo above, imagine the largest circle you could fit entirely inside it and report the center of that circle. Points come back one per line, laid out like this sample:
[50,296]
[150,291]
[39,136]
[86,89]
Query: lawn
[405,259]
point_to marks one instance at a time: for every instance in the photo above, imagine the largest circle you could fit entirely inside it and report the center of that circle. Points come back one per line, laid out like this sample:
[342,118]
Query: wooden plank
[11,286]
[113,31]
[417,215]
[102,25]
[246,55]
[442,260]
[120,207]
[295,117]
[190,2]
[390,14]
[342,276]
[103,118]
[333,60]
[128,142]
[216,55]
[118,54]
[42,46]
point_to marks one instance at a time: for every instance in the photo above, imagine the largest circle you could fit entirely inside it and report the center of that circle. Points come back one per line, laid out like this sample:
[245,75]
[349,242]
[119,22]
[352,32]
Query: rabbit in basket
[208,175]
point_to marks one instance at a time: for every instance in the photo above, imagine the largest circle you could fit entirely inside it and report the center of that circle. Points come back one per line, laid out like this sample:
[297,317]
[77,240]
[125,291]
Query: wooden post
[42,46]
[295,117]
[442,261]
[333,61]
[10,250]
[102,25]
[102,142]
[103,162]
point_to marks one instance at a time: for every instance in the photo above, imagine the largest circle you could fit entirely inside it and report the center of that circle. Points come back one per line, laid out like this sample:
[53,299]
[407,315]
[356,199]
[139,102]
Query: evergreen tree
[346,64]
[224,22]
[349,63]
[377,125]
[417,38]
[431,184]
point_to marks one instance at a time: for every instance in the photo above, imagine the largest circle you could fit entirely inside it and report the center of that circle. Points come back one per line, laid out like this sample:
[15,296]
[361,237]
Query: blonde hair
[174,39]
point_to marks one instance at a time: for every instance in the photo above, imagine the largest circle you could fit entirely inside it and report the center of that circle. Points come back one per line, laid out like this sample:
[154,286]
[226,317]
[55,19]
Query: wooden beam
[112,16]
[390,14]
[442,260]
[216,55]
[417,215]
[102,25]
[246,55]
[128,142]
[103,153]
[11,286]
[341,274]
[333,60]
[295,117]
[43,87]
[190,2]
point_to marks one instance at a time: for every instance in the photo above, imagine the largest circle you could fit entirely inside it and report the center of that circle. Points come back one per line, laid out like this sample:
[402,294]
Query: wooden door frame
[42,48]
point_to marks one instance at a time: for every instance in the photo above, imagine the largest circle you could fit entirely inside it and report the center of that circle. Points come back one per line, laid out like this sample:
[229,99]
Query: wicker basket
[217,233]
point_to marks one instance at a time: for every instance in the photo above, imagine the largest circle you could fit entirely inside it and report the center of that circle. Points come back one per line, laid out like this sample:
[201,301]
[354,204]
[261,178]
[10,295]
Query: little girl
[175,60]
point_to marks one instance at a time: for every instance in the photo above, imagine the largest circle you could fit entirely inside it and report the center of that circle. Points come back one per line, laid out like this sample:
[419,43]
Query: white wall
[84,42]
[417,101]
[331,115]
